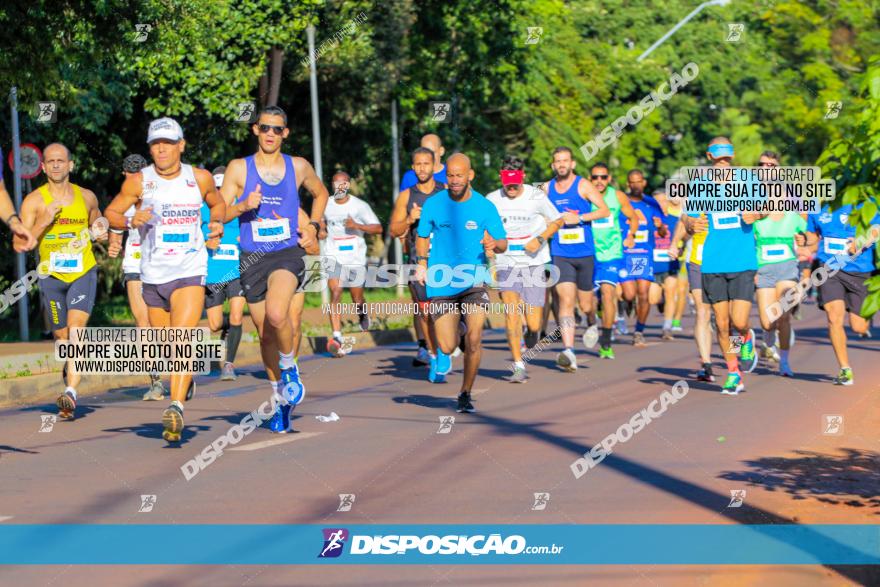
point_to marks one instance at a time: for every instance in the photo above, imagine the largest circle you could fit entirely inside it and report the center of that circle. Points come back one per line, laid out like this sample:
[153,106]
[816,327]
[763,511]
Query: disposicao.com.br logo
[334,540]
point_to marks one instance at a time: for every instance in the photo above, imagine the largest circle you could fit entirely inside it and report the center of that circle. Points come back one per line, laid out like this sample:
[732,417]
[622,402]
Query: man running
[728,274]
[25,241]
[609,241]
[666,267]
[59,214]
[224,283]
[845,291]
[433,143]
[638,270]
[530,220]
[348,219]
[462,226]
[262,191]
[131,271]
[174,260]
[572,247]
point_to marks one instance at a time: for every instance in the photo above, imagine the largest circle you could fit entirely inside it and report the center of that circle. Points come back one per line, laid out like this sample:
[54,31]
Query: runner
[463,226]
[347,219]
[844,291]
[728,274]
[131,271]
[609,242]
[224,283]
[59,215]
[777,273]
[433,143]
[666,268]
[174,259]
[530,220]
[404,223]
[638,270]
[572,247]
[25,241]
[262,191]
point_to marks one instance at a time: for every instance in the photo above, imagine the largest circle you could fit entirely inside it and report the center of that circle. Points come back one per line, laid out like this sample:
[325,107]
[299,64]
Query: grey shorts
[217,293]
[158,295]
[772,273]
[126,277]
[348,275]
[60,296]
[529,282]
[695,280]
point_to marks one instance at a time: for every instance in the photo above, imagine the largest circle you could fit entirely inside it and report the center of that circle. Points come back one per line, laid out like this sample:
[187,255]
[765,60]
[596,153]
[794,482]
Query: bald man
[432,142]
[458,227]
[63,218]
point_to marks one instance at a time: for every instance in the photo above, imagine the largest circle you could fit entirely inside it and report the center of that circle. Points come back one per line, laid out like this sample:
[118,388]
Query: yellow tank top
[67,247]
[699,239]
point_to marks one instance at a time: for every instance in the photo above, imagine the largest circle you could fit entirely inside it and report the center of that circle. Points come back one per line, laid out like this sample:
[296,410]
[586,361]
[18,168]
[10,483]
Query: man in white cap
[174,259]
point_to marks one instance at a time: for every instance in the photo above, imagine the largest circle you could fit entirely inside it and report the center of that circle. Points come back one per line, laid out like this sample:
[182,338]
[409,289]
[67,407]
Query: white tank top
[131,262]
[172,246]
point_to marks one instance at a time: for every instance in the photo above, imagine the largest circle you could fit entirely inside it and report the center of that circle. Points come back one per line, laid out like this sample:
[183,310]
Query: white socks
[71,391]
[286,361]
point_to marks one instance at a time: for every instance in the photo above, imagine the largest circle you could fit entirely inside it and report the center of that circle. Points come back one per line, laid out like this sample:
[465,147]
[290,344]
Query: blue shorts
[607,272]
[637,266]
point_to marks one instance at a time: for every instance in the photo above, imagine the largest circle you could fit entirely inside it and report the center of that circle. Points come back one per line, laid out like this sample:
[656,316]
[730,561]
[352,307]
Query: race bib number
[517,244]
[66,262]
[607,222]
[173,237]
[725,221]
[661,256]
[345,244]
[571,236]
[641,235]
[772,253]
[226,253]
[271,231]
[835,246]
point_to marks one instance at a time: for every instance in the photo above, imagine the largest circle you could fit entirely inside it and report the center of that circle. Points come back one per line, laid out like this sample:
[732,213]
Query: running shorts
[126,277]
[849,287]
[441,305]
[637,266]
[695,281]
[158,295]
[577,270]
[726,287]
[528,282]
[217,293]
[607,272]
[772,273]
[255,276]
[61,296]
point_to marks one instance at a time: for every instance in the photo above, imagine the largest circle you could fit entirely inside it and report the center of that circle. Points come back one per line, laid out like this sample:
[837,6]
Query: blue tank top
[272,226]
[572,240]
[222,261]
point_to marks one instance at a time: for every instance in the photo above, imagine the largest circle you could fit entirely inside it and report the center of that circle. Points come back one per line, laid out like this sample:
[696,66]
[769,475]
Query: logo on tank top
[844,217]
[149,187]
[190,183]
[470,225]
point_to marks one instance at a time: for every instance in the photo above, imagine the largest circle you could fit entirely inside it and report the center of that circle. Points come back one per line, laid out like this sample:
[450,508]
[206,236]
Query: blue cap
[721,150]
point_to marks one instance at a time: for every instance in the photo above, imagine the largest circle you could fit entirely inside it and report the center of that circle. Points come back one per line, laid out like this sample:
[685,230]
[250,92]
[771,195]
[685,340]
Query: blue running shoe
[292,387]
[280,422]
[444,363]
[434,376]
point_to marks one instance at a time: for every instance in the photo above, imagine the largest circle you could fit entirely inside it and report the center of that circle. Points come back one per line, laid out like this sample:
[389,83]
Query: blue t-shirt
[457,230]
[574,240]
[835,232]
[662,259]
[409,178]
[646,209]
[222,261]
[730,243]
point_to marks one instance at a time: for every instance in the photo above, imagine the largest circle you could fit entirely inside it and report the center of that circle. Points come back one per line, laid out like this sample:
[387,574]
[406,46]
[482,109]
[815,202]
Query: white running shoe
[456,353]
[591,336]
[567,360]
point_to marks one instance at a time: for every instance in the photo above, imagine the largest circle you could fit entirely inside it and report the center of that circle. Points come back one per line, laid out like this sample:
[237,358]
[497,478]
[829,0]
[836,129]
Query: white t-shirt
[131,262]
[346,245]
[524,217]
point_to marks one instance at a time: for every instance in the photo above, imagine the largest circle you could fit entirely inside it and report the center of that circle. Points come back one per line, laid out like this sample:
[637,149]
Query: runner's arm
[22,240]
[400,220]
[216,203]
[588,191]
[232,188]
[631,217]
[314,248]
[316,187]
[99,233]
[128,196]
[33,215]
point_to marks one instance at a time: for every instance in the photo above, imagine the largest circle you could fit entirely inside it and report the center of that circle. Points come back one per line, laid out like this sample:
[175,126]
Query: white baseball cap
[164,128]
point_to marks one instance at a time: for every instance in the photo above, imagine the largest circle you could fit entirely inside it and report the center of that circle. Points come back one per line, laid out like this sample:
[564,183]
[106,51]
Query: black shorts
[255,276]
[158,295]
[126,277]
[726,287]
[577,270]
[61,296]
[445,304]
[849,287]
[217,293]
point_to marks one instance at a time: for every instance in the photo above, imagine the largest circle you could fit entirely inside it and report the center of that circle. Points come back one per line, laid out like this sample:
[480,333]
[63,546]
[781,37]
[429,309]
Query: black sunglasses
[264,128]
[599,176]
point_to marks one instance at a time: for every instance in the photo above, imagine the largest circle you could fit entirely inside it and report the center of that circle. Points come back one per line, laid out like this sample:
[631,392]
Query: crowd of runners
[594,256]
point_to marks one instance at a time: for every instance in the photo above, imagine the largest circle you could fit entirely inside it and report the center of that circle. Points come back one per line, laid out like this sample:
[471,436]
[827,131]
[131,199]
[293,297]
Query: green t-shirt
[606,231]
[775,238]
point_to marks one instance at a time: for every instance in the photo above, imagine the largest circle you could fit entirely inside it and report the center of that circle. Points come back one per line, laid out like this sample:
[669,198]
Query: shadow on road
[850,478]
[154,430]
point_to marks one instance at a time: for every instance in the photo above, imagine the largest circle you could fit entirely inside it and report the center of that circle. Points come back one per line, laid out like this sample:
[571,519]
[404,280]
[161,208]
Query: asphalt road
[386,450]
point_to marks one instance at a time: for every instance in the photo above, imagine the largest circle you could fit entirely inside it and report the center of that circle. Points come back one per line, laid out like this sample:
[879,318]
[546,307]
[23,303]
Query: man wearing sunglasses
[529,220]
[572,247]
[262,191]
[609,241]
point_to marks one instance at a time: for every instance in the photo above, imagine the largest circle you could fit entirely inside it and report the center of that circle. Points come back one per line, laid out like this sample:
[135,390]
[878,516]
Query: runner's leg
[136,303]
[186,311]
[836,312]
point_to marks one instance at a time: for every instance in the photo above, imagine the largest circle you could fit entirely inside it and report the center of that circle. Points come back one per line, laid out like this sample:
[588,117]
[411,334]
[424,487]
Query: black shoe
[531,339]
[705,374]
[462,344]
[191,390]
[464,403]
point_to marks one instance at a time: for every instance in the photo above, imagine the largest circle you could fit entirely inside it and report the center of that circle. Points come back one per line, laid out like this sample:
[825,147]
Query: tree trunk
[276,61]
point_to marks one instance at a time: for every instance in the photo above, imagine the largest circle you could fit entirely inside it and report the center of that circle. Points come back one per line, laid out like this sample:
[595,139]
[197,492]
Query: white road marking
[276,441]
[4,518]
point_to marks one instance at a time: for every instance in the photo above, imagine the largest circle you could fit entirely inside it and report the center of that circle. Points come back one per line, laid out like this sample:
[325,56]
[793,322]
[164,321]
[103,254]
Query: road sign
[31,159]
